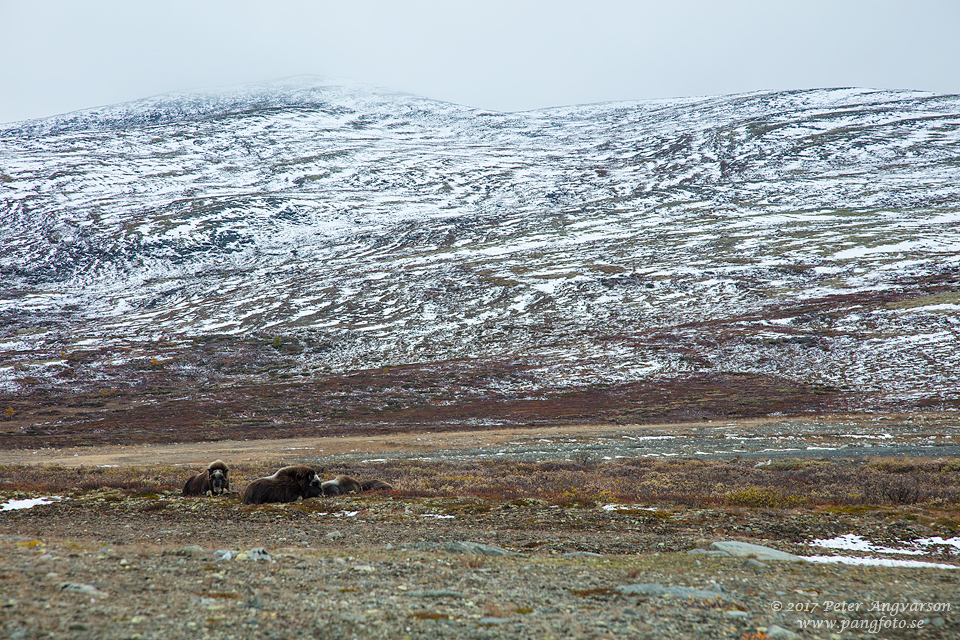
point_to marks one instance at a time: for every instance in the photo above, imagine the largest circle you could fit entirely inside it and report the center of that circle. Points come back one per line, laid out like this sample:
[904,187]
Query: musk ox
[340,485]
[375,485]
[343,484]
[212,481]
[286,485]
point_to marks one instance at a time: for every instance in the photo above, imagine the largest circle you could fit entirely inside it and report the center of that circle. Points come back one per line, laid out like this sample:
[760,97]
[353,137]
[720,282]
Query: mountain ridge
[787,234]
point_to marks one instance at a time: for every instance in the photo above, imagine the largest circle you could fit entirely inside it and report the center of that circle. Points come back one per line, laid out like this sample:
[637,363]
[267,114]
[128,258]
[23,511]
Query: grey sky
[59,56]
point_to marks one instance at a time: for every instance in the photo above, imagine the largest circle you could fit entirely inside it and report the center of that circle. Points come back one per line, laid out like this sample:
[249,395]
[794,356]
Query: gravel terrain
[395,569]
[107,562]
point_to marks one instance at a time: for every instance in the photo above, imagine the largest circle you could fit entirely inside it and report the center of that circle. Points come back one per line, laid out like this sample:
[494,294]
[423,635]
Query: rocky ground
[481,548]
[345,589]
[107,565]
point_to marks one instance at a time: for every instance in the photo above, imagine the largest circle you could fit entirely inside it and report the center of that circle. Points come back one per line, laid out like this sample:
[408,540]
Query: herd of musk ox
[286,485]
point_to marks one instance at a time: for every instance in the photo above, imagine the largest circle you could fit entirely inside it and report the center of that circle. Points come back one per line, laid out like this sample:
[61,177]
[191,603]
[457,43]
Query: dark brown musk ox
[286,485]
[211,481]
[343,484]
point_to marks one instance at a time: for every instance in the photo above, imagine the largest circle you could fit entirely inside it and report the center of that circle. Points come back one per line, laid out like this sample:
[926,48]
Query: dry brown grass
[783,485]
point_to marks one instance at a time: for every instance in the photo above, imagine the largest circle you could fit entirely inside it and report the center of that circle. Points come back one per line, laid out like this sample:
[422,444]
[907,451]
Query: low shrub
[763,498]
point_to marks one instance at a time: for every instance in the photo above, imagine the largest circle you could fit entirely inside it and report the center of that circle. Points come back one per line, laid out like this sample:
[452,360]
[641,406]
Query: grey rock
[493,621]
[352,617]
[707,552]
[256,554]
[473,548]
[190,551]
[87,589]
[440,593]
[776,632]
[13,538]
[582,554]
[756,565]
[735,613]
[655,589]
[363,568]
[746,550]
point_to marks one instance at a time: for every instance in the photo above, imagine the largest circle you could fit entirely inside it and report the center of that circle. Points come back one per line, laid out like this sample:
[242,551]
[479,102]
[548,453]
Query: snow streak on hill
[813,235]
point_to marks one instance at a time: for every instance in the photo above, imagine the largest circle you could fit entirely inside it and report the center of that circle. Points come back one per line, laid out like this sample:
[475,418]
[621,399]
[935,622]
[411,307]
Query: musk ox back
[286,485]
[212,481]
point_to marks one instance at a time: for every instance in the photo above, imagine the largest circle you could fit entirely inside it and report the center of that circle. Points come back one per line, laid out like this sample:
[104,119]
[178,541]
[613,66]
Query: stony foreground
[67,589]
[104,564]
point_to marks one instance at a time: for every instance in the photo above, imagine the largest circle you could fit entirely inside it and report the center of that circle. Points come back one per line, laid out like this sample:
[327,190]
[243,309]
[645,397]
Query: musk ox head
[286,485]
[213,480]
[218,477]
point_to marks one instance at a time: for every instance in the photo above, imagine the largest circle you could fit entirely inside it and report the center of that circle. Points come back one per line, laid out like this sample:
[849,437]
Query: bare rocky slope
[310,255]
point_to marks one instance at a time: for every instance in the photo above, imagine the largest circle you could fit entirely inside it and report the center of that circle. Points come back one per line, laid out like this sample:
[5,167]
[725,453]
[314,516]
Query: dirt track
[928,435]
[265,450]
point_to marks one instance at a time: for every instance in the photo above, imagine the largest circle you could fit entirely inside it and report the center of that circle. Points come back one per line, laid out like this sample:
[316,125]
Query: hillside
[316,255]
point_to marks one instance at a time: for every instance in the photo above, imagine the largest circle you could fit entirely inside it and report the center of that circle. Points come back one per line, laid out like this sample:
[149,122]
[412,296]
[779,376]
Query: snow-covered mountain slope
[811,235]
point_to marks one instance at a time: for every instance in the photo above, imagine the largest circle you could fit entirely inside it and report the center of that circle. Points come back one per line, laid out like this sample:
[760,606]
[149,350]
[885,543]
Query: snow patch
[29,503]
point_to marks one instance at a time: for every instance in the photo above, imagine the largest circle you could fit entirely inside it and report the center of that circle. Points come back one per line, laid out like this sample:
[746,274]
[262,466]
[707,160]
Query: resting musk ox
[212,481]
[286,485]
[375,485]
[345,484]
[340,485]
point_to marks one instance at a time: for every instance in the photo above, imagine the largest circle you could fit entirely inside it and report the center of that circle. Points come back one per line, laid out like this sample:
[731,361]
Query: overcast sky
[59,56]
